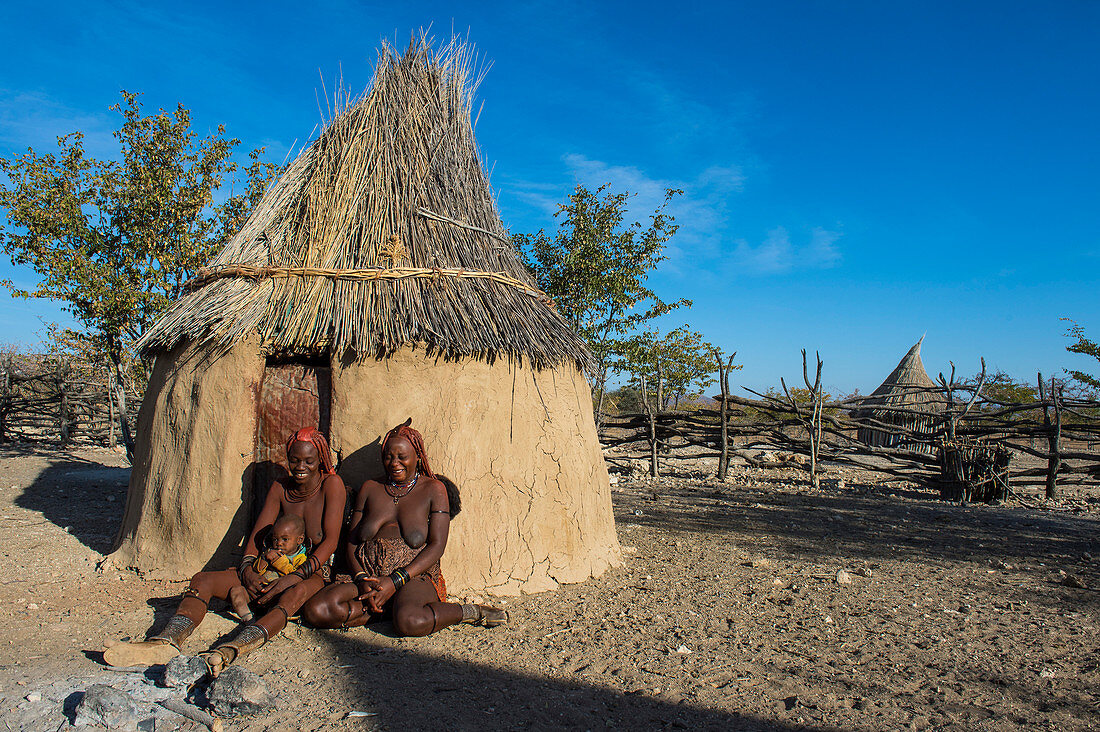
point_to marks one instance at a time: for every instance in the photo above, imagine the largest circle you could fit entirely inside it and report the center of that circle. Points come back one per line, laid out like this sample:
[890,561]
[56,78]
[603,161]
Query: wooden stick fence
[977,428]
[57,399]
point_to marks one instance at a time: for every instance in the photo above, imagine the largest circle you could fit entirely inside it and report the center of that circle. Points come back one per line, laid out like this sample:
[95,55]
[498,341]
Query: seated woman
[317,495]
[398,533]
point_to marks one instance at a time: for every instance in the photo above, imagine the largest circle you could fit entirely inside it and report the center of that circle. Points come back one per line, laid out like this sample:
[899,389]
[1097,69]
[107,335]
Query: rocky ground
[751,604]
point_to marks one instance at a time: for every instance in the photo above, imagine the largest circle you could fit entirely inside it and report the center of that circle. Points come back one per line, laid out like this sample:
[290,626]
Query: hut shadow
[400,685]
[85,498]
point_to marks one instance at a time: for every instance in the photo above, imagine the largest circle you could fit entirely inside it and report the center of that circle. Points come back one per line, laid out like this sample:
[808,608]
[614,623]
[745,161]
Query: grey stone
[107,706]
[183,671]
[238,691]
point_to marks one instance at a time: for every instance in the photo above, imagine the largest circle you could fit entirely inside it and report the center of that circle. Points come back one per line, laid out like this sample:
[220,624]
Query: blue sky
[856,174]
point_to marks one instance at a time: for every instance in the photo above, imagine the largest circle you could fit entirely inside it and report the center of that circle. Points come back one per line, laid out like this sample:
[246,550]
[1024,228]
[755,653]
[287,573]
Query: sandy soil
[727,614]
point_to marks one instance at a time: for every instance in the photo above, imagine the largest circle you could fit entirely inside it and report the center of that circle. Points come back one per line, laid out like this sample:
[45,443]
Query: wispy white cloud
[35,119]
[704,239]
[777,254]
[700,212]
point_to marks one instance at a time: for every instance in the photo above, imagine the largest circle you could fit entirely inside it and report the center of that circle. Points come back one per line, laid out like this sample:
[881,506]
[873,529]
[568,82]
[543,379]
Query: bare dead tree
[812,421]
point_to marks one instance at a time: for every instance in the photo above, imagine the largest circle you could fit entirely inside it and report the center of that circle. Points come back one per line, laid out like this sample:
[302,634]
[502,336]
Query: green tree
[675,366]
[1084,346]
[595,268]
[115,240]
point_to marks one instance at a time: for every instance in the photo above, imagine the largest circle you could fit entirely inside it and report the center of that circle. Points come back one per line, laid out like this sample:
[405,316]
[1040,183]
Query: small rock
[106,706]
[964,609]
[183,671]
[629,549]
[638,512]
[303,674]
[863,572]
[828,619]
[843,578]
[34,696]
[1047,673]
[683,649]
[757,563]
[238,691]
[1069,580]
[32,606]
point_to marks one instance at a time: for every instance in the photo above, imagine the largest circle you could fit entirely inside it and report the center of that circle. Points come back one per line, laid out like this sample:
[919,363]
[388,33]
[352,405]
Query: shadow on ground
[857,526]
[406,690]
[83,497]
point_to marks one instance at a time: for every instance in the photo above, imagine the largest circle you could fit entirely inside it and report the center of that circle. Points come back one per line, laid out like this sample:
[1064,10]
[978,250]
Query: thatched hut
[902,402]
[375,282]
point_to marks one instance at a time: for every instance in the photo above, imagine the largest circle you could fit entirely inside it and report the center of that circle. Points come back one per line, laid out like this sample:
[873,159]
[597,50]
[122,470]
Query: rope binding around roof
[206,275]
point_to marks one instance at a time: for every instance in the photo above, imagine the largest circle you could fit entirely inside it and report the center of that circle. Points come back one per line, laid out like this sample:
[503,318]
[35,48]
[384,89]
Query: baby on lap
[287,553]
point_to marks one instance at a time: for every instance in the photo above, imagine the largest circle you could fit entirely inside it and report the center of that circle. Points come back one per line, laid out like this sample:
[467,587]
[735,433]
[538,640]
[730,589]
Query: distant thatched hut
[903,401]
[375,282]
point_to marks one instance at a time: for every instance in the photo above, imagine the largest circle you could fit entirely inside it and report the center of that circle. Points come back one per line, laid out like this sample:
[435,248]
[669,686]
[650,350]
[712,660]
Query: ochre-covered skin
[521,445]
[195,440]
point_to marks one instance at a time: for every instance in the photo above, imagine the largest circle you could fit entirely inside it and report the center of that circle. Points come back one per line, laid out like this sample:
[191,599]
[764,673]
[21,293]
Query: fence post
[724,383]
[1054,435]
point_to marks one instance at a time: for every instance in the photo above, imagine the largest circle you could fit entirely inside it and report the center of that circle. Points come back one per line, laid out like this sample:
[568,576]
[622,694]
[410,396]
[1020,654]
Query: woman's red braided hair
[315,438]
[416,440]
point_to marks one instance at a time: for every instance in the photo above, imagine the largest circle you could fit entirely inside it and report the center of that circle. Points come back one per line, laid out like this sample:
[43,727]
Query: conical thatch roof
[905,385]
[382,233]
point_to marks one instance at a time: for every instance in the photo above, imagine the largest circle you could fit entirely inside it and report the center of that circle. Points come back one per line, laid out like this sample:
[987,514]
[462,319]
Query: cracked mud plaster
[521,445]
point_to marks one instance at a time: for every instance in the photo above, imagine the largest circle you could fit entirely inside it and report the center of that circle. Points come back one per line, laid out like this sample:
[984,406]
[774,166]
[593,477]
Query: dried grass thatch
[382,233]
[906,400]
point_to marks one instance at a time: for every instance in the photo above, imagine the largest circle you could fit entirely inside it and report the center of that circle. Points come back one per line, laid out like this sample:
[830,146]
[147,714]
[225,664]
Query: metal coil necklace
[392,488]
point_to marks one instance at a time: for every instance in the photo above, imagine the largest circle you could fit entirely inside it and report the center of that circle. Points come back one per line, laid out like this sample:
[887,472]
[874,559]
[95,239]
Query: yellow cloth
[283,565]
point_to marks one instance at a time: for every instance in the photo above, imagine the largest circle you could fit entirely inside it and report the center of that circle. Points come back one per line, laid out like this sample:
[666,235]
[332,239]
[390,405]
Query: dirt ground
[727,614]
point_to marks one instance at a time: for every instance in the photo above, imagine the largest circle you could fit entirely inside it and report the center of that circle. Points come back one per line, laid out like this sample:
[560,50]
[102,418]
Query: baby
[287,553]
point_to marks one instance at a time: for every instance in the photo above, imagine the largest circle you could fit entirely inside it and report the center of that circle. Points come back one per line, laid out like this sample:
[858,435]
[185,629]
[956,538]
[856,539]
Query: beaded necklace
[391,487]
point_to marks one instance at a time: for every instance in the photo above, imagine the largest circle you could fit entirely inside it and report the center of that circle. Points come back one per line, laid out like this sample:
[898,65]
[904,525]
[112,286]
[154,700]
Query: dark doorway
[293,394]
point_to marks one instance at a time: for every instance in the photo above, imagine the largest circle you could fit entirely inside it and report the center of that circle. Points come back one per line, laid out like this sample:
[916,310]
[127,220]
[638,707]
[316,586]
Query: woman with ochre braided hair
[317,495]
[399,529]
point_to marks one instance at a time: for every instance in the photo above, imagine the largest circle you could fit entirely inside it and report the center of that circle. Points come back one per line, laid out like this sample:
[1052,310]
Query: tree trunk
[112,438]
[120,396]
[601,390]
[63,419]
[5,398]
[651,413]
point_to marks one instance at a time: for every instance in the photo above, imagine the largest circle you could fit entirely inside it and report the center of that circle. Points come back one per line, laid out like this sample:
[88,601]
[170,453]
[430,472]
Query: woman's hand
[367,587]
[383,590]
[276,587]
[252,581]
